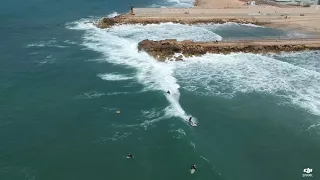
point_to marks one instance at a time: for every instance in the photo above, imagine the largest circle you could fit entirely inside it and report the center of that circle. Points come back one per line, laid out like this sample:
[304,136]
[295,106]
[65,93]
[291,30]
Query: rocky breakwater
[131,19]
[171,49]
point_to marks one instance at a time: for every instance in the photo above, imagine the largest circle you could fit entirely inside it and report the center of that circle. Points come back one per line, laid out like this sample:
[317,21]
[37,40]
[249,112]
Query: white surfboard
[193,124]
[192,171]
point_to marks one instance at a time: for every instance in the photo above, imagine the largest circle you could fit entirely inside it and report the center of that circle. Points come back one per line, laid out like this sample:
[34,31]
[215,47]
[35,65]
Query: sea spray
[118,45]
[227,75]
[211,74]
[113,77]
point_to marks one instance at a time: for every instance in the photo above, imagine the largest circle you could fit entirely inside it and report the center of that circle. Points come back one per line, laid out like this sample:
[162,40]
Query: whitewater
[295,81]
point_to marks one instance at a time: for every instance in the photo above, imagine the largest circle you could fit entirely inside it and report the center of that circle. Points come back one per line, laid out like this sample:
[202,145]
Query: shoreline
[124,19]
[297,18]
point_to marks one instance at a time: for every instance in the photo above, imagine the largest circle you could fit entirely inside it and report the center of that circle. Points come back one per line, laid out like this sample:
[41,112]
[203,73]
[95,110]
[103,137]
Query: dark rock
[179,58]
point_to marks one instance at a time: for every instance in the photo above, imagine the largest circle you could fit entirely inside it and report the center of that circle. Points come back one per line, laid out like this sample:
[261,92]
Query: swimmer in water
[130,156]
[168,92]
[194,167]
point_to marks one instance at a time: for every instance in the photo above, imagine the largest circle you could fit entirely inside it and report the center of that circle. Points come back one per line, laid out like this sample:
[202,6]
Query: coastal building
[308,2]
[283,1]
[298,2]
[251,3]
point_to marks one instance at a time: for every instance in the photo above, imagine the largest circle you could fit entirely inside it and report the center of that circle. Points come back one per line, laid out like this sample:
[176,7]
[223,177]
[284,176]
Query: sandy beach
[302,19]
[227,4]
[292,18]
[216,4]
[310,21]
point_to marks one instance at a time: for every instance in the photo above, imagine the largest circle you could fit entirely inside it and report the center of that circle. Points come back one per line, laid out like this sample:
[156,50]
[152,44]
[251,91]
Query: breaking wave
[51,43]
[211,74]
[114,14]
[174,4]
[226,75]
[162,31]
[181,3]
[113,77]
[118,45]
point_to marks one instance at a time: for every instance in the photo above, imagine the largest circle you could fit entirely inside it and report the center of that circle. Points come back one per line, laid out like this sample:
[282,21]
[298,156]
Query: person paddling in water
[130,156]
[193,167]
[168,92]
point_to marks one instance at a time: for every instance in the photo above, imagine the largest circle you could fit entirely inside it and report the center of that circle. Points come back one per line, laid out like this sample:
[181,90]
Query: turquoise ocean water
[62,79]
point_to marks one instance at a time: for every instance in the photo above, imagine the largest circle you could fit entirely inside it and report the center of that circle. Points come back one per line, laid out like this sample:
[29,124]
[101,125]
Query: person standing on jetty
[131,10]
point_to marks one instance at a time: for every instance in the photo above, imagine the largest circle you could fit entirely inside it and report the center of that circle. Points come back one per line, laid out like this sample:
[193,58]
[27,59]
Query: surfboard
[193,124]
[192,171]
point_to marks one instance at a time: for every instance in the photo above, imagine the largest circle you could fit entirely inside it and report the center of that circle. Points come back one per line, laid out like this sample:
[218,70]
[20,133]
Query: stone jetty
[167,49]
[127,19]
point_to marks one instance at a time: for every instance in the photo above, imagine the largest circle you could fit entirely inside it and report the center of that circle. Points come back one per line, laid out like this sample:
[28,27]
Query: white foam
[205,159]
[213,27]
[69,42]
[193,144]
[174,4]
[152,113]
[180,133]
[226,75]
[114,14]
[51,43]
[48,60]
[182,3]
[157,6]
[218,75]
[116,93]
[119,46]
[252,25]
[170,30]
[89,95]
[308,60]
[293,34]
[314,126]
[113,77]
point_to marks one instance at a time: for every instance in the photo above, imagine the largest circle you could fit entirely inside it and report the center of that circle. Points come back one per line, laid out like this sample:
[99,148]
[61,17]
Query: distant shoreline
[297,18]
[306,20]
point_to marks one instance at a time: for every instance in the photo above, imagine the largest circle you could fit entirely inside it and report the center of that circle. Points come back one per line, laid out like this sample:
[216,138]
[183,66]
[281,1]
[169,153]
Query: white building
[251,3]
[308,2]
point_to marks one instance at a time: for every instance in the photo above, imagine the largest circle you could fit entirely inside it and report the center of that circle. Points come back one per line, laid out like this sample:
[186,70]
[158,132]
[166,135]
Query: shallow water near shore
[62,80]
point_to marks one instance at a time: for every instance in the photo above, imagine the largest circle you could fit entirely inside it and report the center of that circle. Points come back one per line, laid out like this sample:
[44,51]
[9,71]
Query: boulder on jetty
[109,22]
[167,49]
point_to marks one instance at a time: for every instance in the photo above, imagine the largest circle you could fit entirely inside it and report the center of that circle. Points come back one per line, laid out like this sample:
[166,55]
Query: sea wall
[130,19]
[167,49]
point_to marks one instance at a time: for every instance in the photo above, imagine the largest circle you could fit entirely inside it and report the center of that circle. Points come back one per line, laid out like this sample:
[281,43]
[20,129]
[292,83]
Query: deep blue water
[61,81]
